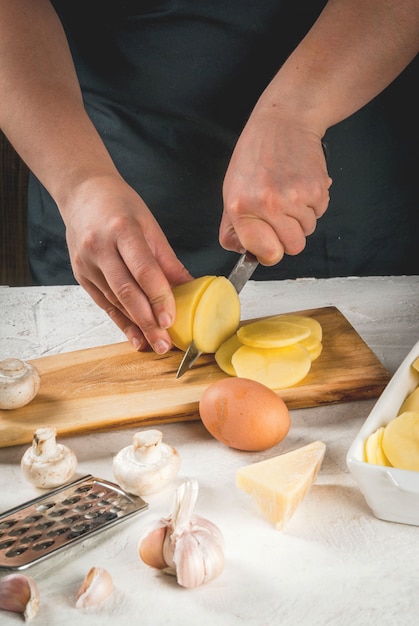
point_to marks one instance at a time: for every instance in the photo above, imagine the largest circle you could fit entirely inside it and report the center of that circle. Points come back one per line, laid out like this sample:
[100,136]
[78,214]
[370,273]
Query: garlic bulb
[19,383]
[19,594]
[183,544]
[47,464]
[148,465]
[95,588]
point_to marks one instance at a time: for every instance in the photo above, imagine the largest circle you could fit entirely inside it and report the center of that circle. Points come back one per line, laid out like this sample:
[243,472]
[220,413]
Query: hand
[121,257]
[275,188]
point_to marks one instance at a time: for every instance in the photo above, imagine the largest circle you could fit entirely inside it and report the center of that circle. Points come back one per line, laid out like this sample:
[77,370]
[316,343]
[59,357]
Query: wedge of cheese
[278,485]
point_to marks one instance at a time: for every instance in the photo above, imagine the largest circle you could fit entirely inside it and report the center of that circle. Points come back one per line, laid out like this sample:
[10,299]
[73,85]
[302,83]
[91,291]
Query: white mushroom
[19,383]
[148,465]
[47,464]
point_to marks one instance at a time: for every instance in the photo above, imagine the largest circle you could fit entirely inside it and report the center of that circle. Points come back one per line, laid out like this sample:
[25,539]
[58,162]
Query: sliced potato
[374,452]
[225,352]
[276,368]
[272,332]
[217,315]
[415,364]
[313,346]
[401,441]
[304,320]
[187,297]
[411,402]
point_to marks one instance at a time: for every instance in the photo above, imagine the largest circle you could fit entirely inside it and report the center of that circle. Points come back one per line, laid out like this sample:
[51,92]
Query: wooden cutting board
[114,386]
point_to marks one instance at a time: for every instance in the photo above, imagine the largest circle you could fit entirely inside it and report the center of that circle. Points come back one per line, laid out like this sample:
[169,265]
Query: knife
[239,276]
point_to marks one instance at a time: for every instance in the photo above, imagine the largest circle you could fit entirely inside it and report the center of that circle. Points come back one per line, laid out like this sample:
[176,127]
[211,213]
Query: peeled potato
[374,452]
[272,333]
[217,315]
[401,441]
[187,297]
[276,368]
[207,312]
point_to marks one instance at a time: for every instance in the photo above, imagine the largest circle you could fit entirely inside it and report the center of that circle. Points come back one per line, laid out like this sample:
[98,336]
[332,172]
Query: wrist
[87,189]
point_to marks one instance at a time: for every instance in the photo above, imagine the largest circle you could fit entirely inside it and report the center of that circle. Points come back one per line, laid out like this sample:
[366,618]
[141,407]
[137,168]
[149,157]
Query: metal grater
[41,527]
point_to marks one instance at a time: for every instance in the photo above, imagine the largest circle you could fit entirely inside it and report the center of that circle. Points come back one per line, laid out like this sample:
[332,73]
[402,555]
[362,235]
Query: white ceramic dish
[392,494]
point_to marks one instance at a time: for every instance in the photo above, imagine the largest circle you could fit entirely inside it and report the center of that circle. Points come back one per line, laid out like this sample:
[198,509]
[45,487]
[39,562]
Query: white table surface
[334,563]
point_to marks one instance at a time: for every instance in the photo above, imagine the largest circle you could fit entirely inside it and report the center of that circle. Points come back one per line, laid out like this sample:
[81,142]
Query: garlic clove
[19,594]
[189,561]
[210,543]
[48,464]
[19,383]
[150,546]
[95,588]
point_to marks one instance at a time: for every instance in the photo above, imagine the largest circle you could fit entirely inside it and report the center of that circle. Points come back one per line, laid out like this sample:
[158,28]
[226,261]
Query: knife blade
[238,277]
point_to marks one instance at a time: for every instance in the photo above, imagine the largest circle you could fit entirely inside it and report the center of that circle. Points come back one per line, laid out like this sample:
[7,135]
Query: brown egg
[244,414]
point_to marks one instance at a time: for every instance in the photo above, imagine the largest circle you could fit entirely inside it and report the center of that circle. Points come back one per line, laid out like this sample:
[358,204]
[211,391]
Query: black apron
[169,85]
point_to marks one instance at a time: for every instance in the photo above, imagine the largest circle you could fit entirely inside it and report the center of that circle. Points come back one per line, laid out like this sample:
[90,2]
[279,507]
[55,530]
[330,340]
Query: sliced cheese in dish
[279,485]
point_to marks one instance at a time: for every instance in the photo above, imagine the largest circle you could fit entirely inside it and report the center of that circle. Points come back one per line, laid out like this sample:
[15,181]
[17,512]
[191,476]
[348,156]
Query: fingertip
[165,320]
[296,247]
[138,344]
[161,346]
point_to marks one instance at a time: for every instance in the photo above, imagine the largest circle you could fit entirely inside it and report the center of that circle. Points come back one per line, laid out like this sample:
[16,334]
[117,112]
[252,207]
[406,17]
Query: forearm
[277,183]
[355,49]
[41,109]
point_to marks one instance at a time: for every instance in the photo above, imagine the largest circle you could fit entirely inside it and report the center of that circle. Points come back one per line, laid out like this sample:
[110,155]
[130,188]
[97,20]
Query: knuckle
[148,327]
[125,293]
[294,247]
[90,241]
[115,315]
